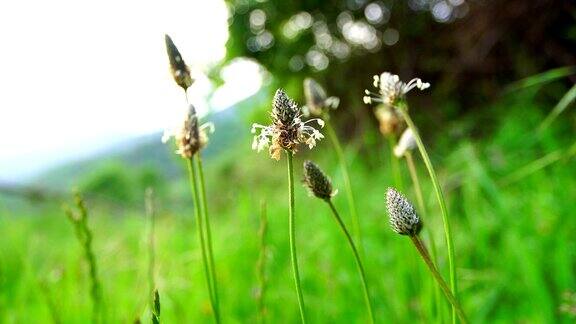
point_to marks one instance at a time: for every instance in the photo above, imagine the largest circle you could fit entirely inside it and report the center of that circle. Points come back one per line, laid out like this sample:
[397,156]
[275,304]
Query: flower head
[389,120]
[287,130]
[403,217]
[189,136]
[180,72]
[407,143]
[391,89]
[317,182]
[317,102]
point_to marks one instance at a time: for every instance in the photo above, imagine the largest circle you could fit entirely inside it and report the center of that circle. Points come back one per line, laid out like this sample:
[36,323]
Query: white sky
[76,74]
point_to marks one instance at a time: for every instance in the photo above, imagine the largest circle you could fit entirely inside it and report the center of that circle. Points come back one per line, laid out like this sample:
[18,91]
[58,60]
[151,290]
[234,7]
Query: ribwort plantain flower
[287,130]
[178,68]
[189,136]
[403,217]
[407,143]
[317,182]
[391,89]
[389,120]
[317,102]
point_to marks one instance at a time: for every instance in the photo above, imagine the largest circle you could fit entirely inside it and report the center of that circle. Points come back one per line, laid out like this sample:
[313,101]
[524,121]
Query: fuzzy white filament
[391,88]
[407,142]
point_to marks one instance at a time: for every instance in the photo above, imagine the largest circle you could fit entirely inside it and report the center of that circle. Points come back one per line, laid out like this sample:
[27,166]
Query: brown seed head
[317,182]
[190,140]
[180,72]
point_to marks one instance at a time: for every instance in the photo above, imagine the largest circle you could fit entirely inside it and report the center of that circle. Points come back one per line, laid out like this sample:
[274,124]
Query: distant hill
[232,128]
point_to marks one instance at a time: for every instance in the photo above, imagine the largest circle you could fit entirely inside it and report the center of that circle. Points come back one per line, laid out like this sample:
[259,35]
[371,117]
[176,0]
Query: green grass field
[512,219]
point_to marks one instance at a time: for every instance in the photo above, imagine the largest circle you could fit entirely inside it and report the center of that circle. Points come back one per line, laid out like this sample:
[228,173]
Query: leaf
[541,78]
[566,100]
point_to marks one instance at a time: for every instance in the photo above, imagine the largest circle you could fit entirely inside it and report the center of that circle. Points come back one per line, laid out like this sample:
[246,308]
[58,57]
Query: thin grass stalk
[156,308]
[292,234]
[564,103]
[51,304]
[356,258]
[426,257]
[208,232]
[347,184]
[84,235]
[395,166]
[422,206]
[261,265]
[192,175]
[152,292]
[441,201]
[538,165]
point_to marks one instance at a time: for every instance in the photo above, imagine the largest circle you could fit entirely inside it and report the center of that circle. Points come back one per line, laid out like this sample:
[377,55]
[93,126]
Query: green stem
[441,201]
[395,166]
[347,184]
[292,234]
[194,187]
[208,232]
[261,265]
[422,206]
[85,236]
[357,258]
[149,204]
[424,253]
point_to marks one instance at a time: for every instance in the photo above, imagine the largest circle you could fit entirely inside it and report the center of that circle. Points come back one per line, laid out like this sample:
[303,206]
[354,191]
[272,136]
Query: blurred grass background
[514,241]
[510,187]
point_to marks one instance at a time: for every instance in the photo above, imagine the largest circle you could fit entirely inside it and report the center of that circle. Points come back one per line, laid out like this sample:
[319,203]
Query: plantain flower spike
[178,68]
[317,102]
[317,182]
[389,120]
[391,89]
[403,217]
[190,138]
[407,143]
[287,130]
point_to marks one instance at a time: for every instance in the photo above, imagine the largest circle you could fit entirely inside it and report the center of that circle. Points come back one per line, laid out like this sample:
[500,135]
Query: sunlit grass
[515,242]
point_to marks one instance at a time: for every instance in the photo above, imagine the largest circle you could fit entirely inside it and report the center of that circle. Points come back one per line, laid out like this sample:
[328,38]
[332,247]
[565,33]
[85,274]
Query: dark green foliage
[466,59]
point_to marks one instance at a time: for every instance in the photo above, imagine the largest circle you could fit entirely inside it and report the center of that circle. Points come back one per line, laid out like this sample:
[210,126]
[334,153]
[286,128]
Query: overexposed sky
[76,75]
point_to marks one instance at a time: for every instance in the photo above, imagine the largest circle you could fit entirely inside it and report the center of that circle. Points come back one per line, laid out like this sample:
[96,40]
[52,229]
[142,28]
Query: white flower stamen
[392,89]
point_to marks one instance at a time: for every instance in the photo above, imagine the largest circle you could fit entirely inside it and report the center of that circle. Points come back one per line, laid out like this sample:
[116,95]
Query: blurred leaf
[566,100]
[541,78]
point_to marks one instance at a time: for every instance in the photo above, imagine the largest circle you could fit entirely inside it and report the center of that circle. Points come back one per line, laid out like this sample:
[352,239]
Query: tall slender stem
[208,232]
[441,202]
[261,265]
[424,253]
[292,234]
[149,204]
[422,206]
[194,187]
[356,258]
[394,165]
[347,184]
[84,235]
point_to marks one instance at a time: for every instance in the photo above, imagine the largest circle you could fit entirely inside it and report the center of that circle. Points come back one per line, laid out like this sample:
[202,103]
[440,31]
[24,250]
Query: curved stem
[422,206]
[292,234]
[357,258]
[442,203]
[208,232]
[347,184]
[424,253]
[192,176]
[395,166]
